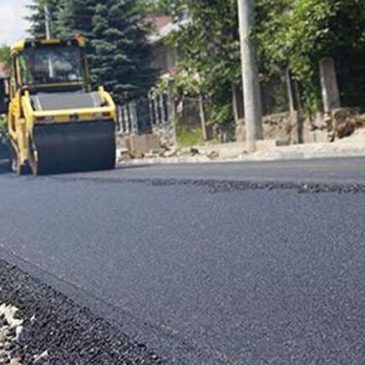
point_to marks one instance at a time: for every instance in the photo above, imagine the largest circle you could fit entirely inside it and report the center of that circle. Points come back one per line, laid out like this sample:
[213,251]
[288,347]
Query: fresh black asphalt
[205,264]
[57,331]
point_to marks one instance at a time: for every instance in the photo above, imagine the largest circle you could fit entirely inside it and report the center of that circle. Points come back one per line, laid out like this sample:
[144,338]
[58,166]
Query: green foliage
[3,124]
[5,55]
[37,17]
[186,82]
[117,48]
[188,137]
[209,47]
[174,8]
[299,33]
[76,16]
[122,54]
[288,33]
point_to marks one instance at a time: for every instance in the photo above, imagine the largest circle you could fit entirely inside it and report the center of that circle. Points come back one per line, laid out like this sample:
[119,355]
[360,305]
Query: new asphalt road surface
[247,263]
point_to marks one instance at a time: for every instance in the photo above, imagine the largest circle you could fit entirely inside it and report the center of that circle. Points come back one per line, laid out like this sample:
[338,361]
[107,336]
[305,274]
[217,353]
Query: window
[56,64]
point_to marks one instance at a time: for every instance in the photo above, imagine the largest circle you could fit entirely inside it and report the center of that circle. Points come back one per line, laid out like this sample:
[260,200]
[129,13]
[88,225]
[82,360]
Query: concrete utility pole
[251,86]
[329,85]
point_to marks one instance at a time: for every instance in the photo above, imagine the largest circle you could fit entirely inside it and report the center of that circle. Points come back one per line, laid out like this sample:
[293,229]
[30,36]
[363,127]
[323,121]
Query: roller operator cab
[56,122]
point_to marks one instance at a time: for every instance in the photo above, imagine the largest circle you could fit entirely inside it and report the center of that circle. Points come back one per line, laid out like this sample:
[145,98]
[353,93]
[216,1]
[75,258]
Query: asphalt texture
[57,331]
[204,264]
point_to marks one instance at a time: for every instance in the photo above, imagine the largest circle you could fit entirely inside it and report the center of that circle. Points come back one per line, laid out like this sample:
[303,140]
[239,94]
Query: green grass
[187,137]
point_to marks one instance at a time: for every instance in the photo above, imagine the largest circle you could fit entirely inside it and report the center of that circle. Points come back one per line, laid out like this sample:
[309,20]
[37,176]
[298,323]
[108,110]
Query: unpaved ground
[353,146]
[10,331]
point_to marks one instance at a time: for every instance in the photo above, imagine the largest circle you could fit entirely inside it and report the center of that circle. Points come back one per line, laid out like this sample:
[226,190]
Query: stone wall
[166,133]
[282,127]
[288,128]
[315,129]
[327,127]
[345,122]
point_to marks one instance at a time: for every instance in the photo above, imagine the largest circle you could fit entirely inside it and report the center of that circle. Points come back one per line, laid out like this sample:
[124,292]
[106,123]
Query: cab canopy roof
[37,43]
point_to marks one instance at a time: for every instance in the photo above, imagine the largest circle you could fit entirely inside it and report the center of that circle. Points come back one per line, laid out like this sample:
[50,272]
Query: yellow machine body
[55,122]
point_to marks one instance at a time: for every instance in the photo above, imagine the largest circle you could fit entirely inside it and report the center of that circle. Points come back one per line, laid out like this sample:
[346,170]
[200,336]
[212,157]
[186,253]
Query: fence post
[172,112]
[143,116]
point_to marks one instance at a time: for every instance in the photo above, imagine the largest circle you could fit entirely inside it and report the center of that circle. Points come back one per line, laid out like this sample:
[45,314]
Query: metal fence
[141,115]
[154,113]
[158,113]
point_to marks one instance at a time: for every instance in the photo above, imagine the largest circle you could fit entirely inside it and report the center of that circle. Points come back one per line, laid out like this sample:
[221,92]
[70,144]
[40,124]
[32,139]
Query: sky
[12,23]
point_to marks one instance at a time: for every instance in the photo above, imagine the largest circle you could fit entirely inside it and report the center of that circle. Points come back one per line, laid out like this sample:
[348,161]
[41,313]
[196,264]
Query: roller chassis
[59,127]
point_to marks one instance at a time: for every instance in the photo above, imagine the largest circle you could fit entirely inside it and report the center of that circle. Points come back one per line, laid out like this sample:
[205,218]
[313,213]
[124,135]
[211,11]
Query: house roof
[157,22]
[164,25]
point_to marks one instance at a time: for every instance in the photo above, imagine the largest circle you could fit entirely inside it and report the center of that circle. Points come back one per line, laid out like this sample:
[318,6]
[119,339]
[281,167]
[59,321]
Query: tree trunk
[289,85]
[172,113]
[298,106]
[238,112]
[235,104]
[202,117]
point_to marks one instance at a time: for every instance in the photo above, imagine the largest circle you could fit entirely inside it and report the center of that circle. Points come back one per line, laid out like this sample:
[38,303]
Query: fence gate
[152,114]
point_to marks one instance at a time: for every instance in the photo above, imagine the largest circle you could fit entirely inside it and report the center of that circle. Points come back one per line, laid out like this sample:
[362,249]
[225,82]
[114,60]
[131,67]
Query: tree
[298,34]
[37,17]
[122,54]
[209,46]
[76,16]
[292,34]
[4,56]
[174,8]
[117,49]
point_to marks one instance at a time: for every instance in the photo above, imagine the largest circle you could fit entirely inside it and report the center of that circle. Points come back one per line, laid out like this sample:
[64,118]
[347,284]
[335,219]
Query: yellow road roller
[56,122]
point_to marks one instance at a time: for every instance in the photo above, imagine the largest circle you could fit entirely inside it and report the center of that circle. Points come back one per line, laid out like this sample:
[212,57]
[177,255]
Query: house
[165,55]
[155,115]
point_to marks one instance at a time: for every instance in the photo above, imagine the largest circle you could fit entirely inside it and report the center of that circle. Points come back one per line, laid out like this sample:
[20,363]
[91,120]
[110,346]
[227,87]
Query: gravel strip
[39,326]
[214,186]
[10,330]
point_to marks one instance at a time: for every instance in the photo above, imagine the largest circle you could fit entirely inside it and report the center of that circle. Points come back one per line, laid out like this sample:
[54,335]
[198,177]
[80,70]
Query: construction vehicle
[55,122]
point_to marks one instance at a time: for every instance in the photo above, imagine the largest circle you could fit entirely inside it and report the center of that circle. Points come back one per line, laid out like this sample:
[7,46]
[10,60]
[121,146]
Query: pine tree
[37,17]
[118,52]
[122,55]
[76,16]
[174,8]
[5,58]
